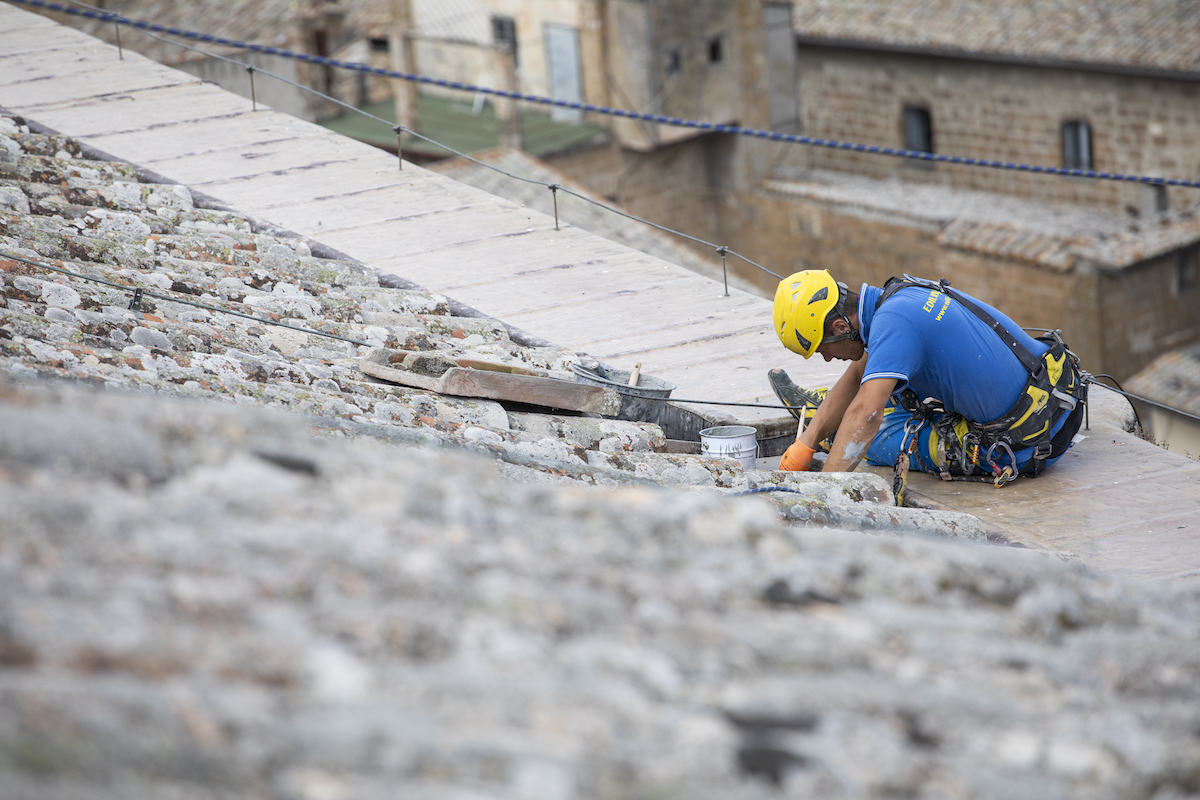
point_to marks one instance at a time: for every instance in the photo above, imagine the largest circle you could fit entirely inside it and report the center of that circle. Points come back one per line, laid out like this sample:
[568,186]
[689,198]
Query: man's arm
[829,414]
[860,422]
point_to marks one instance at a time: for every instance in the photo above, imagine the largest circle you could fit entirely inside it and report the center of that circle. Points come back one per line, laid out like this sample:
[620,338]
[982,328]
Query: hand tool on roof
[466,377]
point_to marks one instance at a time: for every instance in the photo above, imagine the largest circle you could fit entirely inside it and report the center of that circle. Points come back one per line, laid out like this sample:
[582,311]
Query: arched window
[918,129]
[1077,145]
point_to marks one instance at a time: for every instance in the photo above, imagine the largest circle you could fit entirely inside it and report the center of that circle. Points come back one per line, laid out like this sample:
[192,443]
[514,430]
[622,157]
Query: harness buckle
[1067,401]
[1003,477]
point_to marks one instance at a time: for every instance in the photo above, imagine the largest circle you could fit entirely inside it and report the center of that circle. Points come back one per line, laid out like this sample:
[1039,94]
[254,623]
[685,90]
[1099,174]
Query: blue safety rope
[616,112]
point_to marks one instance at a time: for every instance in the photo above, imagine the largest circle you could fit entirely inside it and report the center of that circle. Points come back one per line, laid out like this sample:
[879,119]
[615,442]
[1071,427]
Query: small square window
[674,60]
[1077,145]
[504,34]
[918,129]
[716,50]
[379,45]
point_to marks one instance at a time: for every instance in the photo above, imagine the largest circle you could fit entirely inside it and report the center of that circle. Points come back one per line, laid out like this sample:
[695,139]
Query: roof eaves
[996,58]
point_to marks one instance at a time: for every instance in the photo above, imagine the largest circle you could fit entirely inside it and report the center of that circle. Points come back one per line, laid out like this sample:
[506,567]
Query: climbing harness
[958,446]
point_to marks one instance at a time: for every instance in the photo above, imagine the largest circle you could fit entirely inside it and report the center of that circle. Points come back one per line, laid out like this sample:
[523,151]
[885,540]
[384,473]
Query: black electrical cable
[1120,390]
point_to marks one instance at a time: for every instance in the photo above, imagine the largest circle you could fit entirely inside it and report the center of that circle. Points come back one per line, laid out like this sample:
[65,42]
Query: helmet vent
[821,294]
[805,343]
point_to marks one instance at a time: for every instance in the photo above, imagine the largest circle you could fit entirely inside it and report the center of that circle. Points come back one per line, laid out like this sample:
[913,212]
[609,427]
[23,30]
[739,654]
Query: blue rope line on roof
[615,112]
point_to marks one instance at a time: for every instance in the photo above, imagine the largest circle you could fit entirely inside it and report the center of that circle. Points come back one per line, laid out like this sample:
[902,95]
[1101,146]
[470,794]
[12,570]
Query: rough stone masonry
[200,599]
[204,601]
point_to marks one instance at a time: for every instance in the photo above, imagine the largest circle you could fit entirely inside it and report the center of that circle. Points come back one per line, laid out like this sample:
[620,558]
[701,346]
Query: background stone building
[1095,85]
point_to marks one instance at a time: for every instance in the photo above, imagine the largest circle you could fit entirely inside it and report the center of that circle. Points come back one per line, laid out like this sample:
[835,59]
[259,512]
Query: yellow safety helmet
[802,302]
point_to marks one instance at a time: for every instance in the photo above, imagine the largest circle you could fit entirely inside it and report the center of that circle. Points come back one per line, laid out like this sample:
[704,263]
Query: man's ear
[839,326]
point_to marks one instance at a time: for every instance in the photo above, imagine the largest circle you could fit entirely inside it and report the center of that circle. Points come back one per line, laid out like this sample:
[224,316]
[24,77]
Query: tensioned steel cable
[92,12]
[1141,399]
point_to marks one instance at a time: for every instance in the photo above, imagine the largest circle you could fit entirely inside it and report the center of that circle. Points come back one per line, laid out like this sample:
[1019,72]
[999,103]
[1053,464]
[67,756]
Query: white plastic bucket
[731,441]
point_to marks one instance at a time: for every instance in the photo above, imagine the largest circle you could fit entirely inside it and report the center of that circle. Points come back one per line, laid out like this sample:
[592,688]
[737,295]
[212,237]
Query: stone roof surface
[1051,236]
[1142,34]
[95,218]
[577,212]
[202,600]
[565,286]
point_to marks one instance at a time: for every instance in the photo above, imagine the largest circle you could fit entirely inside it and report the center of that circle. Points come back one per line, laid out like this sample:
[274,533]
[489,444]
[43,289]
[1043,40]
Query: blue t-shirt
[935,346]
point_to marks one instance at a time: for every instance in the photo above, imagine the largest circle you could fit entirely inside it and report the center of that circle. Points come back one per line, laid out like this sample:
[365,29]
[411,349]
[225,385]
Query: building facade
[1096,86]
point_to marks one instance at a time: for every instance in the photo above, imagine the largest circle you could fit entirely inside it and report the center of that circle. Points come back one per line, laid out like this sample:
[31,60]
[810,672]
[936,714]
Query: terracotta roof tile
[1052,236]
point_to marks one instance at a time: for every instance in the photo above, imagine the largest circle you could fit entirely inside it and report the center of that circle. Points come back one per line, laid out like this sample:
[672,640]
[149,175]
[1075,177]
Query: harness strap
[1032,364]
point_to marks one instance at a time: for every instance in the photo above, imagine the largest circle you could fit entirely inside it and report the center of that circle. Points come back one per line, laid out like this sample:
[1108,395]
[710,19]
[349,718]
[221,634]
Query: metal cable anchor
[722,251]
[253,99]
[554,187]
[399,130]
[117,28]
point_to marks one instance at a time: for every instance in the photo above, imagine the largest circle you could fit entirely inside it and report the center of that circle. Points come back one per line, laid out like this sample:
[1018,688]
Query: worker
[937,380]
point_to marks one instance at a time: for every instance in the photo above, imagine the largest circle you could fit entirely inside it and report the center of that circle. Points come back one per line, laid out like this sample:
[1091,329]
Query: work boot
[792,396]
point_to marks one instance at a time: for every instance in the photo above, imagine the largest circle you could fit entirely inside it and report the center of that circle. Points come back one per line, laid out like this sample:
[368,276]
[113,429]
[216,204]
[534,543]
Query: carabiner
[912,427]
[1012,460]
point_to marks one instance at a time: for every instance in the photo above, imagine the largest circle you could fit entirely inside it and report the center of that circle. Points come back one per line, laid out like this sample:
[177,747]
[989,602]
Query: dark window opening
[918,130]
[716,50]
[1077,145]
[674,61]
[320,46]
[320,43]
[1154,199]
[1187,275]
[504,34]
[379,45]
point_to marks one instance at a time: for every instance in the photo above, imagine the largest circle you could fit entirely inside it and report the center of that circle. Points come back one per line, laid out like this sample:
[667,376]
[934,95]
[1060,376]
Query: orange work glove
[798,458]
